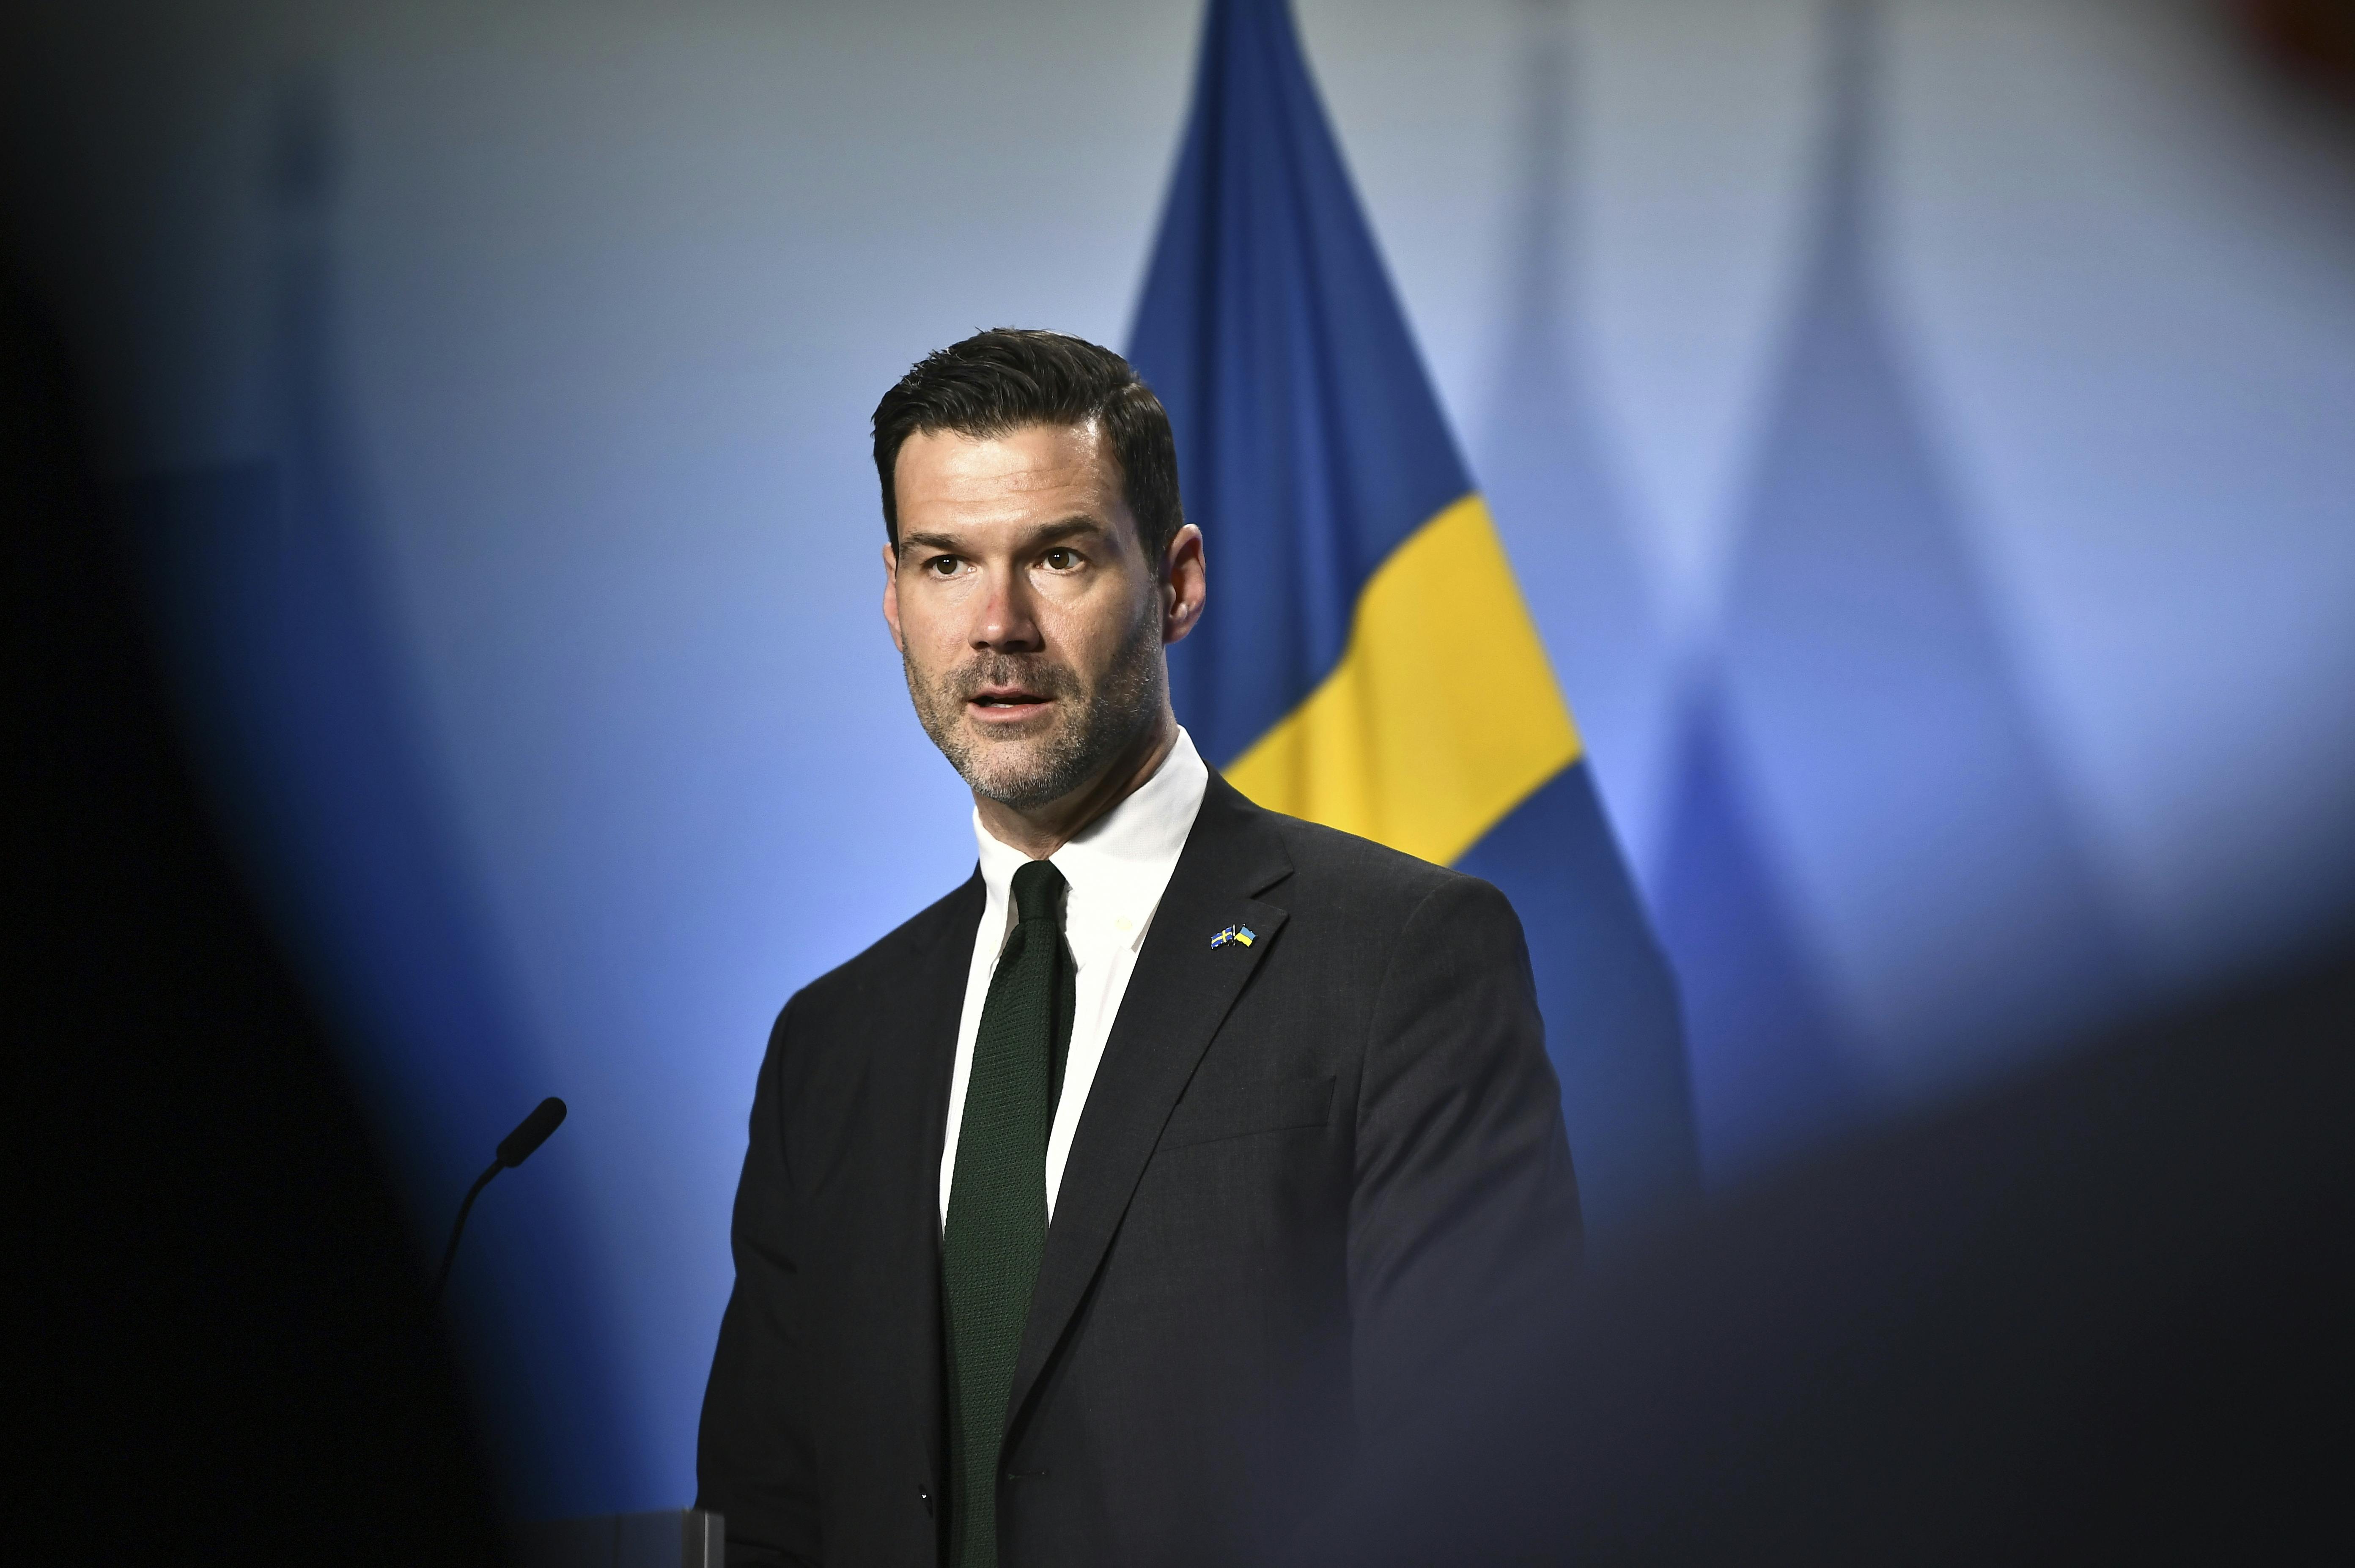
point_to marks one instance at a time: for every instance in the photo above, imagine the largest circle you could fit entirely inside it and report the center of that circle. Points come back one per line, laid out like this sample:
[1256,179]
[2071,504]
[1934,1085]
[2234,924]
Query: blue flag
[1368,661]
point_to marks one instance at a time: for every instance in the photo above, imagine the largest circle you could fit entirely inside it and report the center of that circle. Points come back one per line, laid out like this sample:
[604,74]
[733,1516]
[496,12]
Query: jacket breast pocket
[1234,1111]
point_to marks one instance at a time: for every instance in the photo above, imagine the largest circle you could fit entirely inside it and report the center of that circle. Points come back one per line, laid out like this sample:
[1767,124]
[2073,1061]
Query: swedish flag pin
[1242,936]
[1223,937]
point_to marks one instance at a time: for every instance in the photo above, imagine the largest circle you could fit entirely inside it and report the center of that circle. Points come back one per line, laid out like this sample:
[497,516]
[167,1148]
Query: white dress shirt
[1116,868]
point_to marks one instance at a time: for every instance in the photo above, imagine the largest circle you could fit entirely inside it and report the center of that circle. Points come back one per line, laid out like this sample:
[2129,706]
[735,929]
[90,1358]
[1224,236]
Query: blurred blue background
[1925,433]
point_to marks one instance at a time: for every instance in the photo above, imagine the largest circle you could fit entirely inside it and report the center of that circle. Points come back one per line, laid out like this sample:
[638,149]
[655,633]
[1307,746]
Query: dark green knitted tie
[997,1227]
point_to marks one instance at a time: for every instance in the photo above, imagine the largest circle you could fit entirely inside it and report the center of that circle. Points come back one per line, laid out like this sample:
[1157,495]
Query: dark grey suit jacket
[1310,1171]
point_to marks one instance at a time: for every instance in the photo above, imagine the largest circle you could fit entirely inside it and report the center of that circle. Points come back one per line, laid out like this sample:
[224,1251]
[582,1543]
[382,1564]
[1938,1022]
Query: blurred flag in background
[1858,710]
[1370,662]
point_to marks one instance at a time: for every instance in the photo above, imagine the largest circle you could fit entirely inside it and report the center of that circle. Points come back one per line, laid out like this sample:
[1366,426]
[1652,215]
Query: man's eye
[1062,559]
[944,565]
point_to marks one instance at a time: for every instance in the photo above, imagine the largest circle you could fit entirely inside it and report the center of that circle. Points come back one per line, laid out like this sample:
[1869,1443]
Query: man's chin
[1021,743]
[1017,769]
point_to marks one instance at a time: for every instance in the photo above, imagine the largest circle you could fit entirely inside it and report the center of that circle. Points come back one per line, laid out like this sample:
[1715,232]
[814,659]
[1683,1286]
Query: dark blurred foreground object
[2315,38]
[2104,1318]
[673,1538]
[231,1353]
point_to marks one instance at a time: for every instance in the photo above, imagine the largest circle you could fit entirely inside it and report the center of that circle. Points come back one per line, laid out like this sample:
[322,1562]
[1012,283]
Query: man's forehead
[950,466]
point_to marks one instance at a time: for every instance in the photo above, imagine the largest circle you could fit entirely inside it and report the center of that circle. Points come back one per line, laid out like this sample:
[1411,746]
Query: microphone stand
[450,1252]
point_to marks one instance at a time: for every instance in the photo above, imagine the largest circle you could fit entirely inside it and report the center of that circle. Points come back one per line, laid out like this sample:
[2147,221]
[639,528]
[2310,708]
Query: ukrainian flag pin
[1245,934]
[1242,936]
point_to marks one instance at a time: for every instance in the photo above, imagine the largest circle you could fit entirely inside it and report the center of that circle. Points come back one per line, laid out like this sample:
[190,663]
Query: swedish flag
[1368,661]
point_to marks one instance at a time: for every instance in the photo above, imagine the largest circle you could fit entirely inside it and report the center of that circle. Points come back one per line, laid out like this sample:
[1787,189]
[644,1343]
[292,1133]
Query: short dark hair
[1008,379]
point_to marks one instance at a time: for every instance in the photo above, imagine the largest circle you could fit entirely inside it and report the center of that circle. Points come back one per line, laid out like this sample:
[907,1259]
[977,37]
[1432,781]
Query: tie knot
[1035,887]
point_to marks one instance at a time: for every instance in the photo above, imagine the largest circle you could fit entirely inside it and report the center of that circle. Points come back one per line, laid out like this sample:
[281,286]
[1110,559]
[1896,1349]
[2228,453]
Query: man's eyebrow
[1048,533]
[1069,528]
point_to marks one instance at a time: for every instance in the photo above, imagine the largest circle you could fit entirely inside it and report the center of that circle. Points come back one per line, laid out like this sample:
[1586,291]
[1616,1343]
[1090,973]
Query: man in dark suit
[1114,1206]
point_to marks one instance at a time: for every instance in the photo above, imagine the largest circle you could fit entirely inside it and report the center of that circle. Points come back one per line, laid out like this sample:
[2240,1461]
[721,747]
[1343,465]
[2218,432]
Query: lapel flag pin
[1242,936]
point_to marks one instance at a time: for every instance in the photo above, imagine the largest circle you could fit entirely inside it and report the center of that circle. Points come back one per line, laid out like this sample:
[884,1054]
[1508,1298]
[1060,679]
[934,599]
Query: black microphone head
[516,1146]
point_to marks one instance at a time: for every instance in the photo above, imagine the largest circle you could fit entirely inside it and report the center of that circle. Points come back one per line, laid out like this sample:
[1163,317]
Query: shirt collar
[1119,864]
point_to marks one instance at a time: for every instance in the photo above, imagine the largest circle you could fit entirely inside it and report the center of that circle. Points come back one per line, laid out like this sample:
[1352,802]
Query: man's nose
[1009,622]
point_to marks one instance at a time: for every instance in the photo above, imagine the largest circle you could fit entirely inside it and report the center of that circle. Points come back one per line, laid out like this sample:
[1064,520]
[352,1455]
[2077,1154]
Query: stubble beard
[1087,732]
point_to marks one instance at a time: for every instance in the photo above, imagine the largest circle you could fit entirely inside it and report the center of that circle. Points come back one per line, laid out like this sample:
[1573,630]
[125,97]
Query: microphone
[514,1149]
[519,1145]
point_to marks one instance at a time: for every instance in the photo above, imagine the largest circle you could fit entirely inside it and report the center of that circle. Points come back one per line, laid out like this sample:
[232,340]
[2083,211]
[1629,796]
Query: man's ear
[1185,584]
[891,595]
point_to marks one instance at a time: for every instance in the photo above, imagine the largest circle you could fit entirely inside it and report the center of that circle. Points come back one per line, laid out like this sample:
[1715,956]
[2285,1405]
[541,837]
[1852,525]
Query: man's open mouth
[1010,698]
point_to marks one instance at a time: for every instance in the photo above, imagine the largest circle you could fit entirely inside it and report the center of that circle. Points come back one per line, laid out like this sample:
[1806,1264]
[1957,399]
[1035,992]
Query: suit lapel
[1177,997]
[915,1063]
